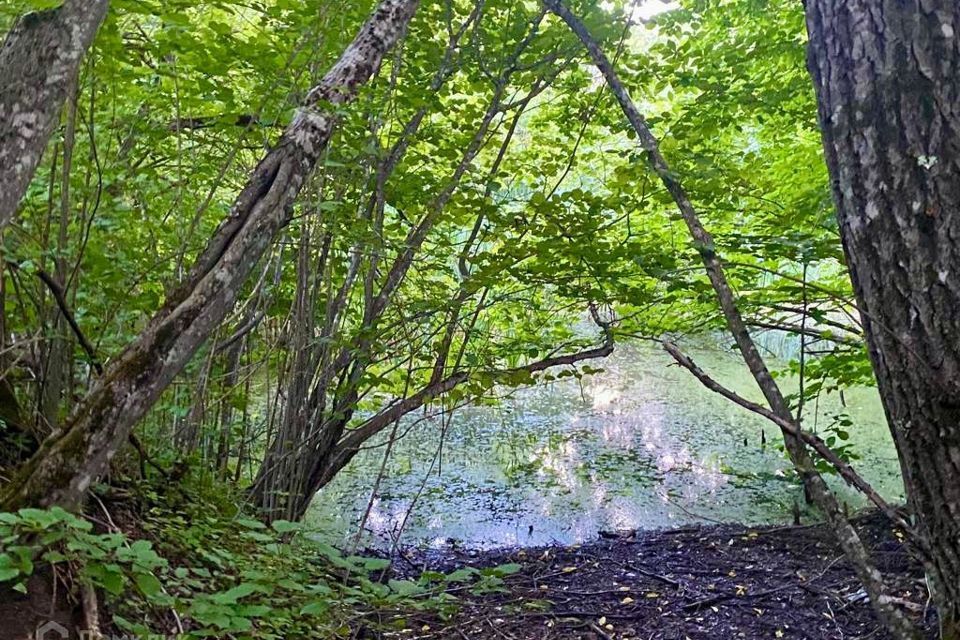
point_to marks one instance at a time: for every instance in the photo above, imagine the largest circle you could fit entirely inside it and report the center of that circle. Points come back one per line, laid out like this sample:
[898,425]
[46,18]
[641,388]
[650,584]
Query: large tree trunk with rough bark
[72,458]
[887,76]
[39,62]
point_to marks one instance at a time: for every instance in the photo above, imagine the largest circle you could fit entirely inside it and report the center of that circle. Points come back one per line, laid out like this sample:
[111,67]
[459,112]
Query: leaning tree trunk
[72,459]
[39,62]
[887,76]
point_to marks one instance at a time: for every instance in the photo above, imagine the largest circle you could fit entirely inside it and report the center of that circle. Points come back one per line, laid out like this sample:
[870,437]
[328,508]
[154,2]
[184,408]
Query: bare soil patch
[696,583]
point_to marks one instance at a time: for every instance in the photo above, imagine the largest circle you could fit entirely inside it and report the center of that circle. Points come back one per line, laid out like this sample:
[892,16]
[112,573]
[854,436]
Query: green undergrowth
[191,560]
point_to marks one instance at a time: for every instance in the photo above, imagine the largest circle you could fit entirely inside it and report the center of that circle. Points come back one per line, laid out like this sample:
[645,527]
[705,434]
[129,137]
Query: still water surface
[641,445]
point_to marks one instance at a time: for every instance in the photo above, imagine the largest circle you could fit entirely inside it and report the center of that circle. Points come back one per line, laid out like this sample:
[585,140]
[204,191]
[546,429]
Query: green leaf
[39,517]
[148,584]
[462,575]
[285,526]
[405,587]
[315,608]
[236,593]
[507,569]
[8,573]
[376,564]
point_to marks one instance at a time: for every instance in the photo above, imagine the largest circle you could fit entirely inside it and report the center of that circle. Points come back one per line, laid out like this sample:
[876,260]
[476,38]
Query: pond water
[640,445]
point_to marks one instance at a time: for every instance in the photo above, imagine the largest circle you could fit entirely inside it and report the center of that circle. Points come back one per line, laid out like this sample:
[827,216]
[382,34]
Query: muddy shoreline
[703,582]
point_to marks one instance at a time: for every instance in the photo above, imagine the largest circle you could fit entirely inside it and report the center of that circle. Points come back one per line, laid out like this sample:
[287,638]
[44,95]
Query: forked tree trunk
[72,459]
[887,76]
[39,62]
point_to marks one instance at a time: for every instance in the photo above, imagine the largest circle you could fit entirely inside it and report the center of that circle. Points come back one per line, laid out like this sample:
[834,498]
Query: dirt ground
[696,583]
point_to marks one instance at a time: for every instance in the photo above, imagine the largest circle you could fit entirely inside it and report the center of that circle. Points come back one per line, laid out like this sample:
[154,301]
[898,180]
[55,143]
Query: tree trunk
[39,62]
[279,494]
[72,459]
[227,387]
[887,77]
[57,348]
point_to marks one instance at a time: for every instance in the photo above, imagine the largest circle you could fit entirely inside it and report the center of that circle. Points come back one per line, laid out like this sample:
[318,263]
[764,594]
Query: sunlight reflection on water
[641,445]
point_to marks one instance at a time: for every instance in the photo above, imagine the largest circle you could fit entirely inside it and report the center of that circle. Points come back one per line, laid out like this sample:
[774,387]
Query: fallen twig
[655,576]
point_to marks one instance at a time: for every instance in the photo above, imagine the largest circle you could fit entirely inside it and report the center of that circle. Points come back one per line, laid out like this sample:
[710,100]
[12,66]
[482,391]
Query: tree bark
[39,62]
[887,77]
[73,458]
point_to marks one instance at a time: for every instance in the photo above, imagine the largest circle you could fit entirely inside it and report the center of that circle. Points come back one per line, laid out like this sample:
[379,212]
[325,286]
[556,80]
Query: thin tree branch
[65,310]
[355,437]
[845,470]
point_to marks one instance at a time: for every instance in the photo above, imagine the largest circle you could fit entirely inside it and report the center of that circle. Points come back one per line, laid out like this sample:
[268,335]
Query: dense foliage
[479,217]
